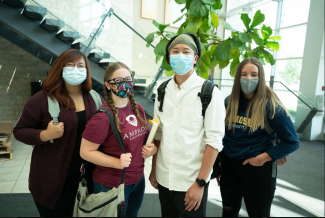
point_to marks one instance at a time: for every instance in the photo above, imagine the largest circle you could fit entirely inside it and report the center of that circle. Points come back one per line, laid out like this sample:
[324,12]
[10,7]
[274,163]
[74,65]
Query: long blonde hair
[256,109]
[108,94]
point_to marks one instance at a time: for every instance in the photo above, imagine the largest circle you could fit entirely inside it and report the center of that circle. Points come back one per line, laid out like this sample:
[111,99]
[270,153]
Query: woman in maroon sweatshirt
[54,170]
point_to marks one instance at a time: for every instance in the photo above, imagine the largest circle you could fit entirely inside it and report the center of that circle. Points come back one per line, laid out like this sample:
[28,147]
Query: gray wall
[18,69]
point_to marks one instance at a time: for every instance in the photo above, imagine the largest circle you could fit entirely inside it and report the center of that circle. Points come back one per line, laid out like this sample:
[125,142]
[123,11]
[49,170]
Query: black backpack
[205,96]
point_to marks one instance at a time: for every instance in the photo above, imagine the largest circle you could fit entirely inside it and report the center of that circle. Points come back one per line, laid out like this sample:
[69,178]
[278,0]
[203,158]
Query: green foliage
[201,20]
[291,72]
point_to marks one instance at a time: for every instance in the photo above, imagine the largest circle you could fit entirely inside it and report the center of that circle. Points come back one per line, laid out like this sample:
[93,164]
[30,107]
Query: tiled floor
[14,173]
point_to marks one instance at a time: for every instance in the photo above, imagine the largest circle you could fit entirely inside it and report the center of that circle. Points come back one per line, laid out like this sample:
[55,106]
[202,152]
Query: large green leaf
[160,49]
[218,5]
[267,55]
[170,34]
[193,25]
[275,38]
[169,73]
[166,66]
[245,37]
[246,20]
[181,28]
[213,48]
[180,1]
[215,20]
[213,63]
[210,2]
[235,42]
[223,64]
[206,25]
[178,19]
[273,45]
[267,28]
[266,32]
[256,38]
[158,59]
[235,62]
[222,52]
[227,26]
[150,38]
[199,9]
[258,18]
[161,27]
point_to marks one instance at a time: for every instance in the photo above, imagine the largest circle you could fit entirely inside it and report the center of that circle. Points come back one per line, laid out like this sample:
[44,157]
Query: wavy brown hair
[256,109]
[108,94]
[54,85]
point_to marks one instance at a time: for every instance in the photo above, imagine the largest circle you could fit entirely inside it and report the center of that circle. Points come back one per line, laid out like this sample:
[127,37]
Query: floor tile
[10,170]
[26,168]
[12,163]
[21,152]
[20,191]
[22,184]
[20,157]
[23,176]
[9,177]
[7,186]
[1,163]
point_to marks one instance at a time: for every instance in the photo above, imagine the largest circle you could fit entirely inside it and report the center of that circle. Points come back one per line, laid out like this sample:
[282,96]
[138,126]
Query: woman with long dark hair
[54,170]
[246,169]
[99,145]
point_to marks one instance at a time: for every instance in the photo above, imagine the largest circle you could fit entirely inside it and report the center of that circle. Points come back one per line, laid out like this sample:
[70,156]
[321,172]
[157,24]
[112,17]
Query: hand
[153,179]
[125,160]
[193,197]
[281,161]
[149,150]
[54,131]
[254,161]
[218,179]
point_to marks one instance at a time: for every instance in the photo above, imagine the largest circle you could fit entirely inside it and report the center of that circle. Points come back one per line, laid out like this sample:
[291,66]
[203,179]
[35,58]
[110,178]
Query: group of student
[186,143]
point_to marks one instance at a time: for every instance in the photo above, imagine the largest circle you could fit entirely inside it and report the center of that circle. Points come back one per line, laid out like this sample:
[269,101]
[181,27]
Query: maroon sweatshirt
[50,162]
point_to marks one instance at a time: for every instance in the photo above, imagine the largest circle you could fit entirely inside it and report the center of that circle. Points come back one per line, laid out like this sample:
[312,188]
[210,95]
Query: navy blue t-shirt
[240,144]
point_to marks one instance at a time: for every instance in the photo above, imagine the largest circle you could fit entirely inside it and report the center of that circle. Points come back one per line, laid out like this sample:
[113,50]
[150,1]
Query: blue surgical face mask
[181,64]
[74,76]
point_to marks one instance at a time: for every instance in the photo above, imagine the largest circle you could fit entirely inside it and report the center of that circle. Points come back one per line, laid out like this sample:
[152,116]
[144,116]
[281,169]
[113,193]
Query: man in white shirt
[187,142]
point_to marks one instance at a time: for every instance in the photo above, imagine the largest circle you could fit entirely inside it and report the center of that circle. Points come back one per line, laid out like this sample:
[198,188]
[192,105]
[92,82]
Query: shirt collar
[188,82]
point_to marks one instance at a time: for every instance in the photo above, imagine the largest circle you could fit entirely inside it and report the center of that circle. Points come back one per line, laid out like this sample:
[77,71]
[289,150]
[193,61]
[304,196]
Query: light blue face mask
[74,76]
[248,85]
[181,64]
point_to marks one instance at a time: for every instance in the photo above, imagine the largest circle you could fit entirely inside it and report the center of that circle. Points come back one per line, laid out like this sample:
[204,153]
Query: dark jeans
[133,196]
[172,203]
[65,204]
[254,184]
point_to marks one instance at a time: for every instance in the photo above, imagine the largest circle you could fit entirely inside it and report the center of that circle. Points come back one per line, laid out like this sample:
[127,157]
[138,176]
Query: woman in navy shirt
[248,150]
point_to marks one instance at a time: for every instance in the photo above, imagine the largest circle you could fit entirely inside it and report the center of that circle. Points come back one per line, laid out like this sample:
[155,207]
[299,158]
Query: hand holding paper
[149,150]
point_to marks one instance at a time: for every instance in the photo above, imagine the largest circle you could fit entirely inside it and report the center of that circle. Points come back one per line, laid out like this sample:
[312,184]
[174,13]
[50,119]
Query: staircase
[25,24]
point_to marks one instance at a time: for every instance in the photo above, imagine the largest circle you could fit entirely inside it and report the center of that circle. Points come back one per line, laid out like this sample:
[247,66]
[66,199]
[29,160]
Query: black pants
[172,203]
[65,204]
[254,184]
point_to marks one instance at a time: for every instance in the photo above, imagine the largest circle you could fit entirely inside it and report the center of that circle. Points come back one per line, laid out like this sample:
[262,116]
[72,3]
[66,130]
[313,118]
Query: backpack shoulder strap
[161,94]
[116,134]
[96,98]
[206,94]
[54,110]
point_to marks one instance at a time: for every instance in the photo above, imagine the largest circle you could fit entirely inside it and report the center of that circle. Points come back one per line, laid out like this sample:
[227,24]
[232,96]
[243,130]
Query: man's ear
[196,58]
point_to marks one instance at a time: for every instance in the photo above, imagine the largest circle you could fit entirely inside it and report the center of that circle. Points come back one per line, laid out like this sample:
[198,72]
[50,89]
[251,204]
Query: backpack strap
[54,110]
[275,141]
[116,134]
[96,98]
[206,94]
[161,94]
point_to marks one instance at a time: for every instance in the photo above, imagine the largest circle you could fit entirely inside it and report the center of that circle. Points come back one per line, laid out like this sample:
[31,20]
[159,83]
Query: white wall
[312,73]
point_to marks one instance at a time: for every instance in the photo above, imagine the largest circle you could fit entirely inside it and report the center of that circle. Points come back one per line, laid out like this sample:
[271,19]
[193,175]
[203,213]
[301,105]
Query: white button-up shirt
[184,134]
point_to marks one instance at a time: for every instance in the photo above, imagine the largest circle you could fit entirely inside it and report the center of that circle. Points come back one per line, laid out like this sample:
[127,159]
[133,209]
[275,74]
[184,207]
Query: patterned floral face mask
[122,89]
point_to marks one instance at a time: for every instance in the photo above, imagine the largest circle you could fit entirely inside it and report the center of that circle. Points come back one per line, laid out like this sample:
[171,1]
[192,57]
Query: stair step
[96,57]
[68,36]
[51,24]
[16,3]
[35,12]
[76,46]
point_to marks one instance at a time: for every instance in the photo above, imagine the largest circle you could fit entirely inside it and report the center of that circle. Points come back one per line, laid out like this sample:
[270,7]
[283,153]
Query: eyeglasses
[79,65]
[120,80]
